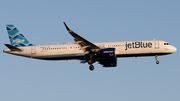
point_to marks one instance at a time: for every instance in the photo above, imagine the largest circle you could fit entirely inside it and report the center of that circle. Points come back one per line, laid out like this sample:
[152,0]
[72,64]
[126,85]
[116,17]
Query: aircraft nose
[174,49]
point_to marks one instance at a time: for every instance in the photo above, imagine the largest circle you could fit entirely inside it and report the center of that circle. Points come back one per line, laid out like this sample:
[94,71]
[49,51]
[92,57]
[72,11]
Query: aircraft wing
[84,44]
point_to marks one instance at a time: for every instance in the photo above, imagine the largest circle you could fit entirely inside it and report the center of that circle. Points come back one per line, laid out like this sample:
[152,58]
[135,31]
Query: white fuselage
[72,51]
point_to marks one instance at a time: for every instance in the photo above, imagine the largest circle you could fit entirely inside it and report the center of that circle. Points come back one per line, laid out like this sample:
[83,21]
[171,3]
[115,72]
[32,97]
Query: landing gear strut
[157,62]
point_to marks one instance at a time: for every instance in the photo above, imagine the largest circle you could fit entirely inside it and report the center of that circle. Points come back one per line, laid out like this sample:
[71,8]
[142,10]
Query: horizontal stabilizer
[12,48]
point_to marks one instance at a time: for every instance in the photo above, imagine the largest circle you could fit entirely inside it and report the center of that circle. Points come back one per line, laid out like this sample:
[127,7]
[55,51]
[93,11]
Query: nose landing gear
[157,62]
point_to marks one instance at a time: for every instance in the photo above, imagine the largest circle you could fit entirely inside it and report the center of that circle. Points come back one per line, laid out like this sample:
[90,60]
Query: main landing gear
[91,67]
[90,62]
[157,62]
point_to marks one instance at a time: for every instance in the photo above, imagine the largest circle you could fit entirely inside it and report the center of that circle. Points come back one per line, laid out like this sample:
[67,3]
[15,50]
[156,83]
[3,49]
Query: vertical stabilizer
[16,38]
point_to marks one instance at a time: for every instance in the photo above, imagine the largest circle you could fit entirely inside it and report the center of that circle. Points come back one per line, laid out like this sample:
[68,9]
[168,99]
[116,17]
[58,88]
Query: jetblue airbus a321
[106,53]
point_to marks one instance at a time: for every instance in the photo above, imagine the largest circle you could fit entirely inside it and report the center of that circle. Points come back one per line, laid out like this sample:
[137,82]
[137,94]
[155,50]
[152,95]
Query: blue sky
[134,79]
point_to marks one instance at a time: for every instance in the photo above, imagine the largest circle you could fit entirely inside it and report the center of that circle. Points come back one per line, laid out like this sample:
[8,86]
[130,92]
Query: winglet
[12,48]
[67,27]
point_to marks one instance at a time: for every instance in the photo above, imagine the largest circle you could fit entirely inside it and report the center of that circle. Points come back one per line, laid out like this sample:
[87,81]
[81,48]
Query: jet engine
[108,53]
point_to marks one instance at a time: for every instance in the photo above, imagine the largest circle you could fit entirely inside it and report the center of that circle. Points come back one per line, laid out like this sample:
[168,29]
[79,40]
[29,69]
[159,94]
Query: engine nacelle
[109,62]
[108,53]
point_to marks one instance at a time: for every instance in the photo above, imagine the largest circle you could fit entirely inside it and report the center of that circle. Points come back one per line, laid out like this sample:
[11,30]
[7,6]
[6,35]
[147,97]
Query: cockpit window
[166,44]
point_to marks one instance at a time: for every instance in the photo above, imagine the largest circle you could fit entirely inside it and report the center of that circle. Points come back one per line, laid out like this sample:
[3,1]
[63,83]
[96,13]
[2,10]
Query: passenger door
[33,51]
[156,44]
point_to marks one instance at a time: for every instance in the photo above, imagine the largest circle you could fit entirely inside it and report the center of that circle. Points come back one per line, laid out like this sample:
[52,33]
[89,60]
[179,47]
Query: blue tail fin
[16,38]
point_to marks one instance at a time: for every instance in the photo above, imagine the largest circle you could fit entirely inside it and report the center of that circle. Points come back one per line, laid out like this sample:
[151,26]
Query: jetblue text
[138,44]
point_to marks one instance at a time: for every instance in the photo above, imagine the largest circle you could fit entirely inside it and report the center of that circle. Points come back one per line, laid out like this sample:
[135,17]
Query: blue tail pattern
[16,38]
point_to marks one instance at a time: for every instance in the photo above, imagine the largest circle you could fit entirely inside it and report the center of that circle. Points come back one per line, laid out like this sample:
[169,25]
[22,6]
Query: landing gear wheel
[91,67]
[157,62]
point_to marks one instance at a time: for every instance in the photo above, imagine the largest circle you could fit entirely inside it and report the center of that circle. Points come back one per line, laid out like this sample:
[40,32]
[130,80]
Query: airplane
[106,53]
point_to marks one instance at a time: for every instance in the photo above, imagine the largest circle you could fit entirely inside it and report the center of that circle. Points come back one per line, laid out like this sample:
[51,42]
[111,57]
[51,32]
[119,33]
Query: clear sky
[134,79]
